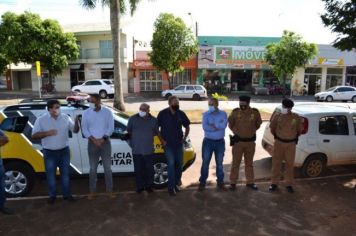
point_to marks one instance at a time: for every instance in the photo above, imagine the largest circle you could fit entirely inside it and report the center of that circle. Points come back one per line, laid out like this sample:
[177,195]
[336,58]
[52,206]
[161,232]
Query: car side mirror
[14,124]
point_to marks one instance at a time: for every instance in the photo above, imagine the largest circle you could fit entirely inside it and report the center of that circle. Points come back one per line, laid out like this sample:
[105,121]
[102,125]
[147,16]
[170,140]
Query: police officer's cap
[244,98]
[287,103]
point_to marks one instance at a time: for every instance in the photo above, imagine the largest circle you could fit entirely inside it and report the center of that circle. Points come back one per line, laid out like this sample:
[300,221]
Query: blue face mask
[211,108]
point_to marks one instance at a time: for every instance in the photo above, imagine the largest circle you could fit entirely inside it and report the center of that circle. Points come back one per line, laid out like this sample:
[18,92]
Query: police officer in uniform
[244,122]
[286,128]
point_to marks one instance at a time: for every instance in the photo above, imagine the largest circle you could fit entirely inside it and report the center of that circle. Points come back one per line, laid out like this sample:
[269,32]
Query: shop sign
[239,55]
[141,64]
[330,61]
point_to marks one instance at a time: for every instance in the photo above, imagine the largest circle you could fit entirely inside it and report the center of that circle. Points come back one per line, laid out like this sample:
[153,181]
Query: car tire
[196,97]
[103,94]
[329,99]
[19,179]
[168,95]
[314,166]
[353,99]
[160,169]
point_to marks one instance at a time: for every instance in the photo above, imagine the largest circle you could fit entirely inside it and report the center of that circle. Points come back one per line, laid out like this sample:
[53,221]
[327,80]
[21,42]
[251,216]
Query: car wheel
[19,179]
[353,99]
[160,167]
[314,166]
[196,97]
[103,94]
[329,99]
[168,95]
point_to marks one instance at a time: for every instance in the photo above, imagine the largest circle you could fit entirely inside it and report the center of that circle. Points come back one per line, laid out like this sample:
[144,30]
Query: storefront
[237,64]
[146,78]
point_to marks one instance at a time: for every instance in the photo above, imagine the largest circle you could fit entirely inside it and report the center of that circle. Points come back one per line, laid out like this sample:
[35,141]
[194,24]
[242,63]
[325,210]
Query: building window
[150,80]
[351,76]
[184,77]
[312,81]
[333,77]
[107,74]
[76,77]
[105,48]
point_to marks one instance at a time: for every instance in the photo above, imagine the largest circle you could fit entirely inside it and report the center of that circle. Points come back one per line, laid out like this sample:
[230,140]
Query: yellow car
[23,159]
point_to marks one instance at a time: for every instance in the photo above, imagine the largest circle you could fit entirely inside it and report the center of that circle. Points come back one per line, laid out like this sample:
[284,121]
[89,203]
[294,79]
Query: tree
[288,54]
[26,38]
[340,17]
[173,43]
[117,8]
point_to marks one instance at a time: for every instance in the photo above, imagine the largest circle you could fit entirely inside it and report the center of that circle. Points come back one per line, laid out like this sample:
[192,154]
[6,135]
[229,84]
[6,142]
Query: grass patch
[195,116]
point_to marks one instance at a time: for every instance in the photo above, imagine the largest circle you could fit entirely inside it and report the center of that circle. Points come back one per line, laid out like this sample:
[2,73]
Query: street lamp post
[197,55]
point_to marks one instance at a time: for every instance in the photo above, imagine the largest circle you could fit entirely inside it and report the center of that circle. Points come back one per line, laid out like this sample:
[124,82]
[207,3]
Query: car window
[190,88]
[108,82]
[333,125]
[93,83]
[179,88]
[198,88]
[119,129]
[347,89]
[330,89]
[354,121]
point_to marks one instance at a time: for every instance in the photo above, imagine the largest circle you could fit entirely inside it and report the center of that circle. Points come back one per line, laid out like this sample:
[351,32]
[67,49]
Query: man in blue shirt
[3,140]
[214,125]
[170,122]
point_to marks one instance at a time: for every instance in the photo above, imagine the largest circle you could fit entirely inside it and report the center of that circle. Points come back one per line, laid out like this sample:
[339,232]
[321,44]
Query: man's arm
[3,139]
[258,120]
[273,124]
[76,125]
[186,123]
[222,122]
[206,126]
[85,128]
[186,133]
[231,120]
[111,124]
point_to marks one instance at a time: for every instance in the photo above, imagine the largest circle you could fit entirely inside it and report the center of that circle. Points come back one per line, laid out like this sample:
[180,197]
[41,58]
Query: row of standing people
[97,126]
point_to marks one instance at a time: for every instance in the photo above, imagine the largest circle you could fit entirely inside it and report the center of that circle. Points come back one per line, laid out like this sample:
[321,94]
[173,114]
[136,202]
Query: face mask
[175,107]
[142,113]
[243,107]
[57,112]
[92,105]
[211,108]
[284,111]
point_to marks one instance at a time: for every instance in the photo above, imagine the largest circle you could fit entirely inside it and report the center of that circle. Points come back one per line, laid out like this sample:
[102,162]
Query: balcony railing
[96,53]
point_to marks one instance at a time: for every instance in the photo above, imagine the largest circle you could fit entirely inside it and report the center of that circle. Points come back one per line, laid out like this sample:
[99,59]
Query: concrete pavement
[319,207]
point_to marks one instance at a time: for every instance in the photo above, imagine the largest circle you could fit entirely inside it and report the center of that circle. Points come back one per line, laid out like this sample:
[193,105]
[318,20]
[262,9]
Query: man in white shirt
[97,127]
[52,128]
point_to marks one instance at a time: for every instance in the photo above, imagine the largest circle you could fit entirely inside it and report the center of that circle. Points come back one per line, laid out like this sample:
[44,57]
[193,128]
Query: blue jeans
[2,185]
[60,159]
[174,157]
[218,148]
[143,171]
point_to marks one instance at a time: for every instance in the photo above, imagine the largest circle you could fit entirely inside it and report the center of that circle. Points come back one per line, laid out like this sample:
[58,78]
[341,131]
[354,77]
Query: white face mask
[92,105]
[142,113]
[284,111]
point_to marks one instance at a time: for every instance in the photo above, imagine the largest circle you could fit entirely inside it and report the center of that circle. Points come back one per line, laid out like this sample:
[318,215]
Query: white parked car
[328,137]
[337,93]
[103,87]
[195,92]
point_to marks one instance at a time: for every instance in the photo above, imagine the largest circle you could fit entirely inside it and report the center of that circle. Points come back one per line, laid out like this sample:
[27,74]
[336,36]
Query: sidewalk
[319,207]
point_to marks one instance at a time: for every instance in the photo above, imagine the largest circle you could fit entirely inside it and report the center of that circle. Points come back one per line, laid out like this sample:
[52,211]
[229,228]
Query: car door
[348,93]
[337,94]
[335,138]
[189,91]
[199,90]
[75,157]
[353,133]
[179,91]
[121,158]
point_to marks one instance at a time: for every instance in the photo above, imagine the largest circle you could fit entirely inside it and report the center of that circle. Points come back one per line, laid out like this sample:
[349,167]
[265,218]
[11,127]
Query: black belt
[295,140]
[235,139]
[57,150]
[215,140]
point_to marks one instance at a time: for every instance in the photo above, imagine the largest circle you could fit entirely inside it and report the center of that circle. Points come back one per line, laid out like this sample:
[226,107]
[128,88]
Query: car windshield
[330,89]
[120,116]
[108,82]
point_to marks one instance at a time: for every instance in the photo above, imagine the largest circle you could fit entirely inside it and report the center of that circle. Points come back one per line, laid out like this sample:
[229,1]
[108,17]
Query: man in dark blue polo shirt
[170,122]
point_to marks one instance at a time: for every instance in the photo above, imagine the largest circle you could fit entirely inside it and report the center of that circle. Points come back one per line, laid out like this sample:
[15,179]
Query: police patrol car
[328,137]
[23,159]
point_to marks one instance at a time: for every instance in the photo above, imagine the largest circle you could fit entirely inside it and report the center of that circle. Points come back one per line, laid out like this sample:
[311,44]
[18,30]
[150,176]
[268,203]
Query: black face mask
[243,107]
[175,107]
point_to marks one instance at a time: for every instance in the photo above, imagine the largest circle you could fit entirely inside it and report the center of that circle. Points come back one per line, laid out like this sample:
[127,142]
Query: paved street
[315,209]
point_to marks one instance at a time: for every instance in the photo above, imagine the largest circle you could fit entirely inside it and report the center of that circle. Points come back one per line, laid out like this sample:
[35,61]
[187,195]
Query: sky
[215,18]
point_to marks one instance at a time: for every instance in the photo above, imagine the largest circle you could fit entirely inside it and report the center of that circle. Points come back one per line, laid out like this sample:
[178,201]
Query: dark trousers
[143,171]
[60,159]
[174,157]
[2,185]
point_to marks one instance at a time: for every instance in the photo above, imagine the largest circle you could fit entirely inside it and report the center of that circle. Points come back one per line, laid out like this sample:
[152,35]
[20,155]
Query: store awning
[19,67]
[106,66]
[75,66]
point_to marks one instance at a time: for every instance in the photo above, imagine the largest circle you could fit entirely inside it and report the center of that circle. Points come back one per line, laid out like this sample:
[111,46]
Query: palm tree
[117,8]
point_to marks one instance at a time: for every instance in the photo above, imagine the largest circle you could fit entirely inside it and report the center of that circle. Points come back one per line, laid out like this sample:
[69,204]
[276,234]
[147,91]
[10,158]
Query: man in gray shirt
[52,128]
[97,127]
[142,128]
